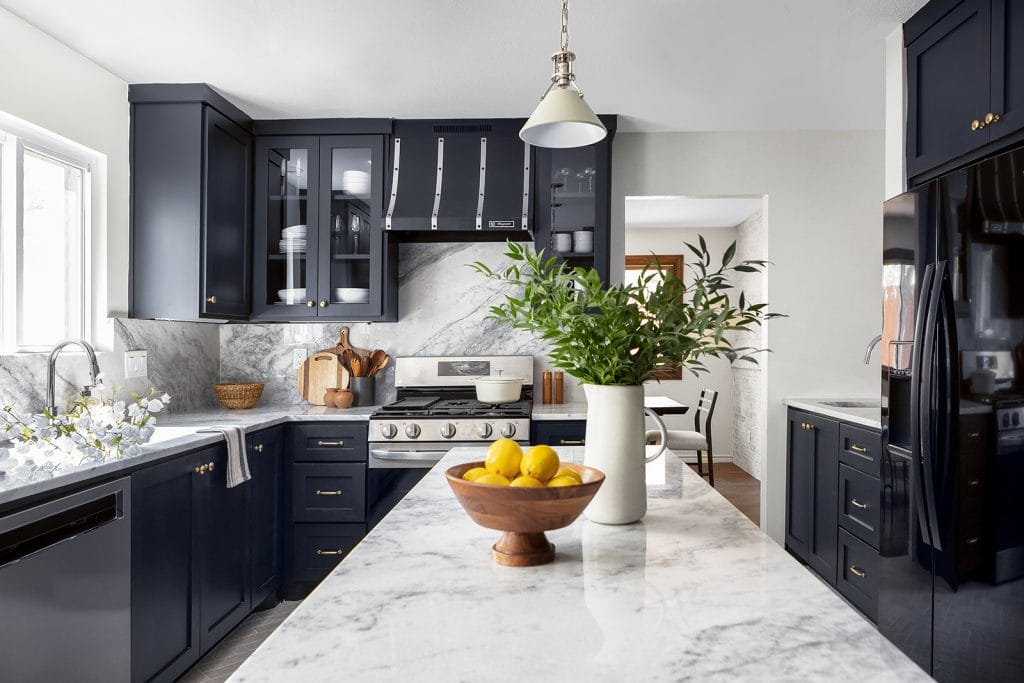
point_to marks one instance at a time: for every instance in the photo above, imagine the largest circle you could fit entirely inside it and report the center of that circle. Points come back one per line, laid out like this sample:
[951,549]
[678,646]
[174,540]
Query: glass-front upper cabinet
[319,242]
[351,239]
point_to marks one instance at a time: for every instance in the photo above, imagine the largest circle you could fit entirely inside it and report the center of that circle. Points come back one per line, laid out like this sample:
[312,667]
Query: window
[45,216]
[663,263]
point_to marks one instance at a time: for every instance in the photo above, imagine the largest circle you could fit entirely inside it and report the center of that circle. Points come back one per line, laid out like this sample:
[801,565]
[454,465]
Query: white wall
[48,84]
[687,390]
[895,114]
[824,214]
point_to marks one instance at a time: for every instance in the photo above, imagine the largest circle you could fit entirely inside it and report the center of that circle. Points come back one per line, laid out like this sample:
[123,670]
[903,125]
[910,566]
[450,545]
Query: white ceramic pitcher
[616,446]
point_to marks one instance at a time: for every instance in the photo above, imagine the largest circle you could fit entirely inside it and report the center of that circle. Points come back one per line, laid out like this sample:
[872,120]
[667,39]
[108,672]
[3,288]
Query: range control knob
[412,431]
[447,430]
[509,430]
[388,431]
[483,430]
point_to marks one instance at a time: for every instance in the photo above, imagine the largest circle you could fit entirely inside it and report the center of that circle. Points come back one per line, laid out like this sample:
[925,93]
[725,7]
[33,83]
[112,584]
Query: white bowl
[352,295]
[292,296]
[296,230]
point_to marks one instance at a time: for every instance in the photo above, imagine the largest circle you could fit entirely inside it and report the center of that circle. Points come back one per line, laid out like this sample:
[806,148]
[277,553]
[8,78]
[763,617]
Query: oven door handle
[410,455]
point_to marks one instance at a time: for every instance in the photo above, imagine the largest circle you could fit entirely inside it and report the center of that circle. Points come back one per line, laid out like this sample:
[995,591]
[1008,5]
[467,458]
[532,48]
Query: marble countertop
[578,409]
[868,416]
[694,591]
[175,433]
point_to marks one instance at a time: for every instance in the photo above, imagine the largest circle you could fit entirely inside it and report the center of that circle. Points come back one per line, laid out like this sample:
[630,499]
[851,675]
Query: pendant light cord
[565,25]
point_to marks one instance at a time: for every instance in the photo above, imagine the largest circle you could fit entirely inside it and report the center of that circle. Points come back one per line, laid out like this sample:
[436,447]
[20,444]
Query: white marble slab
[870,417]
[175,433]
[694,591]
[577,410]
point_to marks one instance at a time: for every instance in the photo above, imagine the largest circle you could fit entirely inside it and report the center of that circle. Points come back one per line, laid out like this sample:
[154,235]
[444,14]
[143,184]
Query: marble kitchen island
[694,591]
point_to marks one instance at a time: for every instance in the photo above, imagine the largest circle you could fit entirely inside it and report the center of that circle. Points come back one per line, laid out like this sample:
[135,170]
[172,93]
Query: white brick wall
[748,380]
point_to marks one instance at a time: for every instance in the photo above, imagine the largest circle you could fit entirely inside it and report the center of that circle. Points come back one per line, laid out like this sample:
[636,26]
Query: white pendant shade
[563,119]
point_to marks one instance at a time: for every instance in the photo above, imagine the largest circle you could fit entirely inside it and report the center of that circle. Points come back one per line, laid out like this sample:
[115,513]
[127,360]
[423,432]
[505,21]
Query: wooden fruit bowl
[524,513]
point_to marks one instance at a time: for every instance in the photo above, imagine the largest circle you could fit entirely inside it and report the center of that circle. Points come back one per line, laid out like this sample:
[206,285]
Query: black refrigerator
[951,569]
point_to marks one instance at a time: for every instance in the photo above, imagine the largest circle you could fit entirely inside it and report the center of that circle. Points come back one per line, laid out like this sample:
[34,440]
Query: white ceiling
[662,64]
[689,212]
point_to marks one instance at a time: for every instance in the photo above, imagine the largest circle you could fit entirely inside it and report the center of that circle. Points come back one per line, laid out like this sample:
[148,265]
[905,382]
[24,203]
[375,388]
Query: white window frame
[16,137]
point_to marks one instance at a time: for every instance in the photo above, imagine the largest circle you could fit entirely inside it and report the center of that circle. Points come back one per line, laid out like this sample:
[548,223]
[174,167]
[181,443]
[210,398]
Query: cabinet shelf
[285,257]
[344,196]
[572,195]
[350,257]
[288,197]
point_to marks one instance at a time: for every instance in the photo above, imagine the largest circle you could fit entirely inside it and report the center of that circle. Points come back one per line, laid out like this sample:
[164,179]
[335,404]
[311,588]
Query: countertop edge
[815,406]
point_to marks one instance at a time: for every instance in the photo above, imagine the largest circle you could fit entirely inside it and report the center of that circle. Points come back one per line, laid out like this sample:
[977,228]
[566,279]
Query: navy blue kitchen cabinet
[265,464]
[326,501]
[191,204]
[559,432]
[965,83]
[165,568]
[191,561]
[320,250]
[573,189]
[811,493]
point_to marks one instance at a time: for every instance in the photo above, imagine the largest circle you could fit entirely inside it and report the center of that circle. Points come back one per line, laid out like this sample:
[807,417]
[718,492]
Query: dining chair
[699,439]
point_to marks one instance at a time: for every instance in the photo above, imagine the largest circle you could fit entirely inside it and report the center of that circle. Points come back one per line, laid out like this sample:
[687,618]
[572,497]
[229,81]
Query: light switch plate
[298,358]
[136,363]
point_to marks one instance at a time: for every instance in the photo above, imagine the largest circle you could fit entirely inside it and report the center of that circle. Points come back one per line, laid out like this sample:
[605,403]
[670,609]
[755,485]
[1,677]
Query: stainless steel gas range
[436,410]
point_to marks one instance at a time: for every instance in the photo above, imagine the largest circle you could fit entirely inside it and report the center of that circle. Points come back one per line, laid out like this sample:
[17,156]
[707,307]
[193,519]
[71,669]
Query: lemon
[562,481]
[503,457]
[569,472]
[474,474]
[492,480]
[540,462]
[523,480]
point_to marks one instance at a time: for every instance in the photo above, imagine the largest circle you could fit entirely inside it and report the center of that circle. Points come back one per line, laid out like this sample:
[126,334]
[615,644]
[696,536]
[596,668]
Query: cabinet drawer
[858,573]
[317,548]
[560,432]
[859,497]
[329,442]
[328,492]
[860,449]
[973,435]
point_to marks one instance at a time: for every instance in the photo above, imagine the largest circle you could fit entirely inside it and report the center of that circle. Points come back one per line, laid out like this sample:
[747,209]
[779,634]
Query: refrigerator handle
[928,405]
[951,381]
[919,375]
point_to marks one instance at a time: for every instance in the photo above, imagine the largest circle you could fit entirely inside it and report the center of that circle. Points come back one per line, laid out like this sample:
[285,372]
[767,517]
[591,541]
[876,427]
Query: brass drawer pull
[572,442]
[258,448]
[858,449]
[331,443]
[973,435]
[321,551]
[857,572]
[328,493]
[973,482]
[973,541]
[857,504]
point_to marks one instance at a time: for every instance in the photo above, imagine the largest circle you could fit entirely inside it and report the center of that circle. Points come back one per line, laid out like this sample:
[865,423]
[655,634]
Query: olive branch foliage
[626,334]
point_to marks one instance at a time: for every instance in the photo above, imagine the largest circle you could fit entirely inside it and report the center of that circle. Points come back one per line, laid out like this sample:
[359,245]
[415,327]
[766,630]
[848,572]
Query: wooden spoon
[376,358]
[356,365]
[383,364]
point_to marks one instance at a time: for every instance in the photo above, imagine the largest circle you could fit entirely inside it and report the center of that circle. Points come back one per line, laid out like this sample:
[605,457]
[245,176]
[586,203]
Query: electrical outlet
[136,363]
[298,358]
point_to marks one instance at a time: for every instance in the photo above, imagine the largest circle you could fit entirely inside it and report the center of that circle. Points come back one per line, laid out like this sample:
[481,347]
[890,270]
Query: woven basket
[238,395]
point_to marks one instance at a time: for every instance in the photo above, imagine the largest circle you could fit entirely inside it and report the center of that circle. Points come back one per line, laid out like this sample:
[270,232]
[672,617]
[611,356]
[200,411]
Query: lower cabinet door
[857,578]
[318,548]
[560,432]
[165,607]
[225,563]
[267,511]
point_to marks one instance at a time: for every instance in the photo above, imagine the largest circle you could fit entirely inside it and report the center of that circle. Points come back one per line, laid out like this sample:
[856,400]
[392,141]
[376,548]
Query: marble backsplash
[182,361]
[442,309]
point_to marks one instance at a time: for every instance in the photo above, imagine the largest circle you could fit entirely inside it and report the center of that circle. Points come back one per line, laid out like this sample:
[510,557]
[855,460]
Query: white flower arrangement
[96,428]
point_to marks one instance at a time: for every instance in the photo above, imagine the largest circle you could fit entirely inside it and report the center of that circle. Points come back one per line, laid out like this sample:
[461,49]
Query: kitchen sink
[851,404]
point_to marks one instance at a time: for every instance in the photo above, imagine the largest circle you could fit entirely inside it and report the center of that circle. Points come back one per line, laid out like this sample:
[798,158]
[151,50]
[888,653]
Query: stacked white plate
[355,182]
[292,296]
[582,241]
[352,295]
[293,240]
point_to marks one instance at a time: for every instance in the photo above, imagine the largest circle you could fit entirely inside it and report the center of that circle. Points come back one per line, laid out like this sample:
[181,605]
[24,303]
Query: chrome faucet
[871,347]
[51,371]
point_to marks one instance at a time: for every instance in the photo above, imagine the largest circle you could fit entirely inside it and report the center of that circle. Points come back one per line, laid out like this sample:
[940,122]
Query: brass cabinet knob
[976,124]
[310,304]
[200,469]
[323,303]
[990,117]
[211,299]
[209,467]
[258,448]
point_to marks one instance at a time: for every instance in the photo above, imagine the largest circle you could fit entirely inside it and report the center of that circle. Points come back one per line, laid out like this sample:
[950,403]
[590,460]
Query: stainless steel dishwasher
[65,588]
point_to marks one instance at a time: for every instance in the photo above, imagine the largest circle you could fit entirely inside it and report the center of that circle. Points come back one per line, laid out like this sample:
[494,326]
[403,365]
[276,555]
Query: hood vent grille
[451,128]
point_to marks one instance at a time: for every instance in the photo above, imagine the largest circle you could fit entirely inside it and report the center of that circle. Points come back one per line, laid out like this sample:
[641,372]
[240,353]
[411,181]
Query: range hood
[454,175]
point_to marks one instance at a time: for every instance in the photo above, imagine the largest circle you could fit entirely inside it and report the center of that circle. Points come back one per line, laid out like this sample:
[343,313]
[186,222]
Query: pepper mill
[546,387]
[559,390]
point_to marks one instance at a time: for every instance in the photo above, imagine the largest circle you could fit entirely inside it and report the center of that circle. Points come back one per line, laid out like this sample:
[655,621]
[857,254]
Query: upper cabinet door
[350,241]
[1007,67]
[287,227]
[227,221]
[948,87]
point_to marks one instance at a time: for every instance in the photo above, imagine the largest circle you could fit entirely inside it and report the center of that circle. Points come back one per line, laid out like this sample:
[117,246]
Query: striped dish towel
[238,462]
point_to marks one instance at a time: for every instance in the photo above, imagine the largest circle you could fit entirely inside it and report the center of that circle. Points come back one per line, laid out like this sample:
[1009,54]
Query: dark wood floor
[739,488]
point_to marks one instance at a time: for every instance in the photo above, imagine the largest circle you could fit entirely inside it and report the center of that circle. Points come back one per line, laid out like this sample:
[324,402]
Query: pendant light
[563,119]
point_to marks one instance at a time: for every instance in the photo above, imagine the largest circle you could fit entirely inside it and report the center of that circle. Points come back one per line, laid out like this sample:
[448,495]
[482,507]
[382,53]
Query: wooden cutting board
[320,372]
[343,343]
